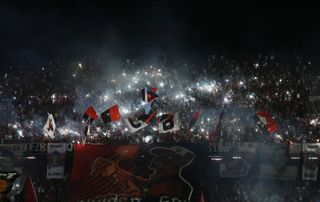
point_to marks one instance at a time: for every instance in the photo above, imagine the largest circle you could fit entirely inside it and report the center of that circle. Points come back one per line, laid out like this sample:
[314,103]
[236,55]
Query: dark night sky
[37,32]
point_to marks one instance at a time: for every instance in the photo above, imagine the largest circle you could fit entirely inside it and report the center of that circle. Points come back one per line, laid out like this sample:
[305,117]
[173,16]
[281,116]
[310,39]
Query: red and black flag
[90,114]
[28,192]
[111,114]
[266,122]
[217,130]
[194,120]
[149,94]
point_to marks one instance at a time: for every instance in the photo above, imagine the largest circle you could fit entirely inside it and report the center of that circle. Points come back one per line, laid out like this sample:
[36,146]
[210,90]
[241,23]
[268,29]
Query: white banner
[55,160]
[276,162]
[237,159]
[311,155]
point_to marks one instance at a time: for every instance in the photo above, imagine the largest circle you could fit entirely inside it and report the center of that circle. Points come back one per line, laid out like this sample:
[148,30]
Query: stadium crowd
[289,90]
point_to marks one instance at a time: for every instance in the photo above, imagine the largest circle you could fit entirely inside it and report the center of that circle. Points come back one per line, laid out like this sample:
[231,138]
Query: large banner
[237,159]
[311,155]
[55,160]
[114,173]
[275,162]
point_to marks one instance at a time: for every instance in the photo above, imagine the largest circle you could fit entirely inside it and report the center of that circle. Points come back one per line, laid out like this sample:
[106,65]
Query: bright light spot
[20,133]
[154,128]
[314,122]
[147,139]
[80,65]
[161,84]
[228,98]
[118,91]
[124,110]
[105,98]
[209,87]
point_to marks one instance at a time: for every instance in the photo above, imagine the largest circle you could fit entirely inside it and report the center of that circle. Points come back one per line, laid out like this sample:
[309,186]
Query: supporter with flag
[50,126]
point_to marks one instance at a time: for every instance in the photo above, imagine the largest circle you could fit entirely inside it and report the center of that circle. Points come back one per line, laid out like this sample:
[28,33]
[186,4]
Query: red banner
[106,172]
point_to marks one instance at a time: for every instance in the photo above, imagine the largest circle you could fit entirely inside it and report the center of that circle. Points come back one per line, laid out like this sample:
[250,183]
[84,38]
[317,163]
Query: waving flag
[111,114]
[90,114]
[266,121]
[194,120]
[134,125]
[28,192]
[215,132]
[139,123]
[149,94]
[50,126]
[169,123]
